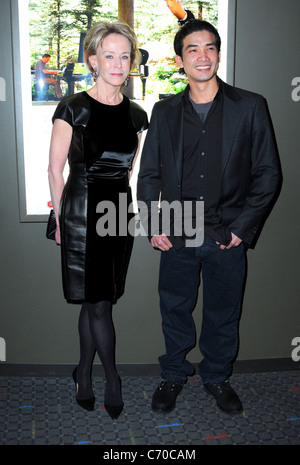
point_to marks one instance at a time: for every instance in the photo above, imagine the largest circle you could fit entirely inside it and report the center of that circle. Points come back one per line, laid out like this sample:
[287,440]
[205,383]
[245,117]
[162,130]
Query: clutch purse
[51,226]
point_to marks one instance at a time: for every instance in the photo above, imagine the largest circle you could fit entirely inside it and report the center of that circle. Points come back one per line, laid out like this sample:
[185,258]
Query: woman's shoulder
[74,109]
[75,99]
[139,116]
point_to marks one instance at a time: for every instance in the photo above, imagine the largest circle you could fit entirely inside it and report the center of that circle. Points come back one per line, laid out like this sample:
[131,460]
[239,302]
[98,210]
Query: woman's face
[112,59]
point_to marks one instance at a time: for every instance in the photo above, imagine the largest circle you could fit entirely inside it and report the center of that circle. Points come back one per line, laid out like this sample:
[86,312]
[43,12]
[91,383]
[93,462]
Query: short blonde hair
[100,31]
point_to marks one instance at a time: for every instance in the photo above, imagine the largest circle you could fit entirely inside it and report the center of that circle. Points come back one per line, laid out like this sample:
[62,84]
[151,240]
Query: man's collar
[186,92]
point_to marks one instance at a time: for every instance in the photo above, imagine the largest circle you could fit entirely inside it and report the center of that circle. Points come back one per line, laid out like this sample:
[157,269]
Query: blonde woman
[98,132]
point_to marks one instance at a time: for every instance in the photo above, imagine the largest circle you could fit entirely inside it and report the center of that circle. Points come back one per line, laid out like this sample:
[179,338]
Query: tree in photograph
[89,12]
[49,29]
[55,26]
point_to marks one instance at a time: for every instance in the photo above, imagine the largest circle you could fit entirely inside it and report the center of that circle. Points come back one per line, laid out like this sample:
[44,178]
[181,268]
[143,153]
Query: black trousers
[223,276]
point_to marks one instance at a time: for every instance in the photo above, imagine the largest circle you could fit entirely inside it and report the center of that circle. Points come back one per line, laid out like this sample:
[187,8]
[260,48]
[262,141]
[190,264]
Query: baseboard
[265,365]
[140,369]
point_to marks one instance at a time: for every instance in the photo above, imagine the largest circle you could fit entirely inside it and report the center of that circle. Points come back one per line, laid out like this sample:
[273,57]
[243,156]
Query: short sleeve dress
[95,213]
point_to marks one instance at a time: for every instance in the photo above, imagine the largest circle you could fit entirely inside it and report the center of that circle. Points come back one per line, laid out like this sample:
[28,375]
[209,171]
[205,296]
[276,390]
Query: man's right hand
[161,242]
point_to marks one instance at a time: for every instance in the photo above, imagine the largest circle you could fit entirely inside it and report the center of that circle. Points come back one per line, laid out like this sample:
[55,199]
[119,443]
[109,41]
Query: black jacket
[251,173]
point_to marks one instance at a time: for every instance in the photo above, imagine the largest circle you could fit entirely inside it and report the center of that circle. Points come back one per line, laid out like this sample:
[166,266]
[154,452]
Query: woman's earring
[126,82]
[95,73]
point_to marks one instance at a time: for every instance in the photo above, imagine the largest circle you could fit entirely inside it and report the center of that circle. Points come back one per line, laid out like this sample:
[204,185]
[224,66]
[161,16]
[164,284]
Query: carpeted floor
[41,410]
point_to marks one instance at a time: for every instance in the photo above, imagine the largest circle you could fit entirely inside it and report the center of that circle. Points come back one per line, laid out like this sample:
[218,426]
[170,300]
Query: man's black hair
[194,25]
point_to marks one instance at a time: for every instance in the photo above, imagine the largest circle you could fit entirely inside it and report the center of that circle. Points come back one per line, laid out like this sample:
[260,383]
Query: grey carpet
[43,411]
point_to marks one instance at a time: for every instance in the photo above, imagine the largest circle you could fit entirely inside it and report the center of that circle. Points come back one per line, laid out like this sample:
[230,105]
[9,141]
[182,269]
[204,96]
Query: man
[41,75]
[211,143]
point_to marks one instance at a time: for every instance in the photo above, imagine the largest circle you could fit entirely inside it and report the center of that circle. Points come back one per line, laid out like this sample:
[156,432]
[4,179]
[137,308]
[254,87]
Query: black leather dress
[95,242]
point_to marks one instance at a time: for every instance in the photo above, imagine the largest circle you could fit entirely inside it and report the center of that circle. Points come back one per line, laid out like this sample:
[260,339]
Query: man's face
[200,58]
[45,59]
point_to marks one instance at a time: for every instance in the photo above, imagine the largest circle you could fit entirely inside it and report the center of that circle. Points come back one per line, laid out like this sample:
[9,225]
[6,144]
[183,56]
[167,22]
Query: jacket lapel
[175,128]
[230,121]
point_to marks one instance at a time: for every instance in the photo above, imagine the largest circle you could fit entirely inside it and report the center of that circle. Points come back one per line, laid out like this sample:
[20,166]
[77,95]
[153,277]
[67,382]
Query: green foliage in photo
[56,25]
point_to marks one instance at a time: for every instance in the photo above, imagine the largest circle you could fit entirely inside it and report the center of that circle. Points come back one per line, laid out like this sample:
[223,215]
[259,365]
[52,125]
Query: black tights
[97,334]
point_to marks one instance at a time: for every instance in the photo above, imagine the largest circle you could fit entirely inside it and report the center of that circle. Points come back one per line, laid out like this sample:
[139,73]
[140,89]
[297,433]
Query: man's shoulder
[170,100]
[238,93]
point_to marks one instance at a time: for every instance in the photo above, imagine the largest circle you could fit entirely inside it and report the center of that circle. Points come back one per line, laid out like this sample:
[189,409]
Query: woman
[98,131]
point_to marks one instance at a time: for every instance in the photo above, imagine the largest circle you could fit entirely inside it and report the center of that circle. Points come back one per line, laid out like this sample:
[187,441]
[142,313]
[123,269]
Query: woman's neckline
[106,104]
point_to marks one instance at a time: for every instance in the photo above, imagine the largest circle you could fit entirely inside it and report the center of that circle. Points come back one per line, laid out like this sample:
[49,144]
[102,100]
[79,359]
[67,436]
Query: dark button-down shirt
[202,161]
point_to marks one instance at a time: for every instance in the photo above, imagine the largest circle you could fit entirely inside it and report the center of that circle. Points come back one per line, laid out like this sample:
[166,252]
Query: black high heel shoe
[87,404]
[114,411]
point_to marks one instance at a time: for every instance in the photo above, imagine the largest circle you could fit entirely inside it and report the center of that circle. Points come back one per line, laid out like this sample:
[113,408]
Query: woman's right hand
[57,235]
[59,149]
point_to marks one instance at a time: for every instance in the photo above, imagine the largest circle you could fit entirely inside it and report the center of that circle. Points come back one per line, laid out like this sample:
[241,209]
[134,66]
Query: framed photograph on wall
[48,37]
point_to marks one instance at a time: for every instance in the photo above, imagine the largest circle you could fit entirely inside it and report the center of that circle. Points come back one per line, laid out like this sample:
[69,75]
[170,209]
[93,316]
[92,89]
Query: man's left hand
[235,242]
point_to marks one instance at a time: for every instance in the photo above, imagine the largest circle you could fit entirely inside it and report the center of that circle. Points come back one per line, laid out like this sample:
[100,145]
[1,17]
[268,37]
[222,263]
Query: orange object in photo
[176,8]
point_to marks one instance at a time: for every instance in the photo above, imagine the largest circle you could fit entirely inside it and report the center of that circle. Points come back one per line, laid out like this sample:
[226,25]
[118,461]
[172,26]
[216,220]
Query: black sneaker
[227,399]
[164,397]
